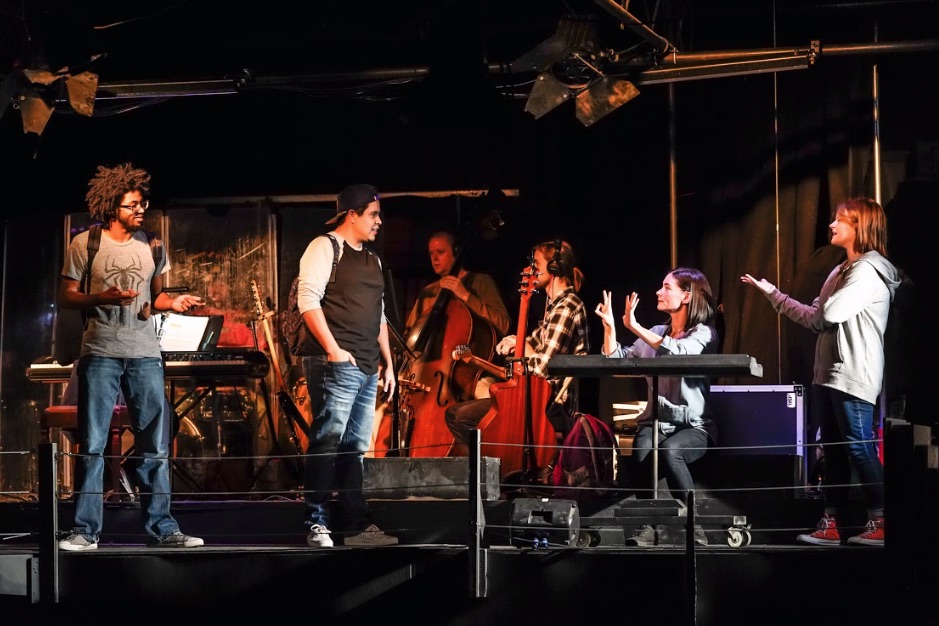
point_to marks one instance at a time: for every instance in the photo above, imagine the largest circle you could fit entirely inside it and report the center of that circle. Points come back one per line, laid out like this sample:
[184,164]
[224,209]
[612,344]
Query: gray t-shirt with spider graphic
[111,330]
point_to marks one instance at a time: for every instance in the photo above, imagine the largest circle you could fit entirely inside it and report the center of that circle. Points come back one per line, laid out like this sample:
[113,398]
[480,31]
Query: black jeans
[676,452]
[465,416]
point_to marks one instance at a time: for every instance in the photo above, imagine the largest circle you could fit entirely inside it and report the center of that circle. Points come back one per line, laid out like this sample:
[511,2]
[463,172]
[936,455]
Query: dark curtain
[764,200]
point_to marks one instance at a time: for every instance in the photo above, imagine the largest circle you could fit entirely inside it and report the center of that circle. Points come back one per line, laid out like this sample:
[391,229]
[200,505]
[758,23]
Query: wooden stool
[64,418]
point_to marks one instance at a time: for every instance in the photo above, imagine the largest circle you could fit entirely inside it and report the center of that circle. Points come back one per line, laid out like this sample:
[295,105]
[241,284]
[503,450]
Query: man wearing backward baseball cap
[346,316]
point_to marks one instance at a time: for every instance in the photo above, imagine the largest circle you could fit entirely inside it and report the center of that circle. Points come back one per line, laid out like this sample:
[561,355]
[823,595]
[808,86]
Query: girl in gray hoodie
[850,316]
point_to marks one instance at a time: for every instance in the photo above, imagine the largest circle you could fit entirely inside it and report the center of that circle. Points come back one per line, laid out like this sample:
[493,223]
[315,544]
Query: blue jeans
[847,433]
[676,451]
[342,401]
[100,379]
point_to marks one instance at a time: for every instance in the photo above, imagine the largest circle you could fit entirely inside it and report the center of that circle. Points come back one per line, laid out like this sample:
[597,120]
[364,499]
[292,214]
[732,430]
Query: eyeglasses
[137,206]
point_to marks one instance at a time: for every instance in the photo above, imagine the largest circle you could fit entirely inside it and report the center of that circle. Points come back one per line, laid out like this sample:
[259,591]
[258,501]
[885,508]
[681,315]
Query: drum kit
[214,442]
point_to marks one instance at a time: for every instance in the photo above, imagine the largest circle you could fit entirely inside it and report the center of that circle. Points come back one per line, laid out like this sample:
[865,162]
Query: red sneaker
[872,536]
[826,535]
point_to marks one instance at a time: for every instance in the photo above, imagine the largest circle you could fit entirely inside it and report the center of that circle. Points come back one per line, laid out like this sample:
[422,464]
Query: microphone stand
[401,347]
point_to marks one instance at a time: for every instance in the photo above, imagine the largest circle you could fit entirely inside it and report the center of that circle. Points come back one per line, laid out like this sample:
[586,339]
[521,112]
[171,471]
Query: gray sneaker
[644,537]
[319,537]
[76,542]
[371,536]
[178,540]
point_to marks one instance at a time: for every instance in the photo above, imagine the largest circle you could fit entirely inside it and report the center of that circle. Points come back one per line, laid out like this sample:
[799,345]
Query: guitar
[465,354]
[298,424]
[517,415]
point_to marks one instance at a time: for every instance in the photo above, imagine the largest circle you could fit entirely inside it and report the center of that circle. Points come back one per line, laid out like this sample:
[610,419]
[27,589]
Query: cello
[434,380]
[516,428]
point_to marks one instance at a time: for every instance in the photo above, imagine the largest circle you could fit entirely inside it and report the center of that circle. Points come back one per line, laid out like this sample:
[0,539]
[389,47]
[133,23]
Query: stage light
[546,94]
[35,92]
[603,96]
[570,66]
[36,97]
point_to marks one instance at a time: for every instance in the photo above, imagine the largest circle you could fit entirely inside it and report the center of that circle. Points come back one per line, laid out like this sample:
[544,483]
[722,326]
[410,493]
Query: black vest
[353,304]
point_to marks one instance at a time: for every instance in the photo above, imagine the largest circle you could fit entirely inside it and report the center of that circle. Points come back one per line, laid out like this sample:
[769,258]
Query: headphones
[556,265]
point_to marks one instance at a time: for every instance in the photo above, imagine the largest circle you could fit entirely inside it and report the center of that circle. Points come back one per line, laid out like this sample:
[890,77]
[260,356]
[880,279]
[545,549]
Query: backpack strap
[156,249]
[332,274]
[94,242]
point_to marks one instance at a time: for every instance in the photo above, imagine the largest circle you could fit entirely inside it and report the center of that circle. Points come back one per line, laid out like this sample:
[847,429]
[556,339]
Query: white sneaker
[319,537]
[76,542]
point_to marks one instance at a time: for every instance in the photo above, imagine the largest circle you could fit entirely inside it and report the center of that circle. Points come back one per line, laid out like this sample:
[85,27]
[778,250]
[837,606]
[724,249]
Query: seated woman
[686,428]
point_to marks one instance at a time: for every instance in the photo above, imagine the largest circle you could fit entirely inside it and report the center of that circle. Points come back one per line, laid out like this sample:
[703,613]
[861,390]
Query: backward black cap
[353,198]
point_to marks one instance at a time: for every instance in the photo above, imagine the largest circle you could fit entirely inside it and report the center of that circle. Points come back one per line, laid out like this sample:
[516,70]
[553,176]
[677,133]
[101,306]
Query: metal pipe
[741,62]
[672,180]
[632,23]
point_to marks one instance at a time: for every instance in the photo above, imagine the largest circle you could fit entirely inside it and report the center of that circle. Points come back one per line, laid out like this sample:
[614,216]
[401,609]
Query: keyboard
[222,363]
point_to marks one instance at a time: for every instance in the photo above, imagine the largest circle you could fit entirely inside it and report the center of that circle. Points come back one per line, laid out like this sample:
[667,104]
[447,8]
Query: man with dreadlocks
[120,353]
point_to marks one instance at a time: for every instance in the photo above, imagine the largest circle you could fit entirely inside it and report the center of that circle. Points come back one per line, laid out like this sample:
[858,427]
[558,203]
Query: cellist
[563,330]
[476,290]
[460,307]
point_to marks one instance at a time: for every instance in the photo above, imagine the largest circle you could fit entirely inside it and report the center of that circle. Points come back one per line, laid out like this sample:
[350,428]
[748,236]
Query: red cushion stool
[64,417]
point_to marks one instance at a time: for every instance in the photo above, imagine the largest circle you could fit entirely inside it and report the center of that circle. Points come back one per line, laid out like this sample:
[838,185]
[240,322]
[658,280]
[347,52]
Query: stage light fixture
[546,94]
[568,66]
[574,32]
[603,96]
[35,92]
[37,97]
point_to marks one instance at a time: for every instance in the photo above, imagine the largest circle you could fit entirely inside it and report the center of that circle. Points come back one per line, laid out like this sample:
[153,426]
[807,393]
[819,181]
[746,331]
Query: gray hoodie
[850,316]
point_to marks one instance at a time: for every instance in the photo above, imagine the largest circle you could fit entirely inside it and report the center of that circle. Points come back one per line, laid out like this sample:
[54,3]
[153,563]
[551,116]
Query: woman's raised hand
[629,317]
[763,285]
[604,310]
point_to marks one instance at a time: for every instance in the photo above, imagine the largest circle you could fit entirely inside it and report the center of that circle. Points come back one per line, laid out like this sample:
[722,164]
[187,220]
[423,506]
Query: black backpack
[70,323]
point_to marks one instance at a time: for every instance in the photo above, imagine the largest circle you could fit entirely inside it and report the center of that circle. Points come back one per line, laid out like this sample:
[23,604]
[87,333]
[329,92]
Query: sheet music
[182,333]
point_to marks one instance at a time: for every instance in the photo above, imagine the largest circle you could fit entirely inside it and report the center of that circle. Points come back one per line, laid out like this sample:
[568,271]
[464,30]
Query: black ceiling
[200,40]
[443,59]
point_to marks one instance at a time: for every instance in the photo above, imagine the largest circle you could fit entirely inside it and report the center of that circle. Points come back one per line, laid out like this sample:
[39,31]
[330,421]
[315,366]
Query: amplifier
[540,522]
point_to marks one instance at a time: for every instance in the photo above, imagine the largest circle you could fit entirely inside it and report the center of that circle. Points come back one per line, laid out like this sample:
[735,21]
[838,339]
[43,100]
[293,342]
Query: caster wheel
[735,538]
[587,539]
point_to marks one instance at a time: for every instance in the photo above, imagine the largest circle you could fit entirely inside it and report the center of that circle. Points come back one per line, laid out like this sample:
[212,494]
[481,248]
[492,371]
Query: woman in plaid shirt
[563,330]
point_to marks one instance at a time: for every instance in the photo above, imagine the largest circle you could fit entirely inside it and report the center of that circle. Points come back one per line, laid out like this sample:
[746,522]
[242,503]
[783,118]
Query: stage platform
[255,561]
[464,560]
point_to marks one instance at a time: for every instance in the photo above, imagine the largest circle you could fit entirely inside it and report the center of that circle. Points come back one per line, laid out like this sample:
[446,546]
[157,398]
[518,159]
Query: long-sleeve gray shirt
[850,317]
[682,401]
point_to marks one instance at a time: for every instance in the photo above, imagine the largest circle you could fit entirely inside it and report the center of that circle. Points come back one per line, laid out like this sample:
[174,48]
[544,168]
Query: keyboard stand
[183,406]
[194,396]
